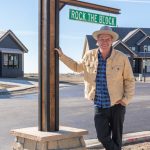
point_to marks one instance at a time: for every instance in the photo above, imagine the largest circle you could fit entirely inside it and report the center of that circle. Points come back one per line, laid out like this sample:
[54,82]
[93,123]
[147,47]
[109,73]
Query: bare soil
[5,86]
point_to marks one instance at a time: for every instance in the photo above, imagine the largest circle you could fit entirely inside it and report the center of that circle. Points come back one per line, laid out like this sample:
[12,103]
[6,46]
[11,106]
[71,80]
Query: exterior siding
[9,42]
[132,42]
[124,50]
[146,42]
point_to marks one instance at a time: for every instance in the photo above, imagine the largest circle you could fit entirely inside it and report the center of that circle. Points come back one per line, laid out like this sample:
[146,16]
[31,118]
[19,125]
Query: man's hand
[121,102]
[59,51]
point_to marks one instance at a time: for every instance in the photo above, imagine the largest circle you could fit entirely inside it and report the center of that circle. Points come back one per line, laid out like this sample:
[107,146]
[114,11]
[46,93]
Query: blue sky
[21,16]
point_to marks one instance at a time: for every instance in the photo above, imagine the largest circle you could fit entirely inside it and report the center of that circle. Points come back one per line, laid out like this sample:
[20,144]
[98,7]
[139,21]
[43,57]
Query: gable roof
[120,42]
[143,39]
[91,42]
[123,31]
[132,33]
[4,34]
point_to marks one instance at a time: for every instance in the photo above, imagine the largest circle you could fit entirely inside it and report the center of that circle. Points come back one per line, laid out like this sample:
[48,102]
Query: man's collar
[109,54]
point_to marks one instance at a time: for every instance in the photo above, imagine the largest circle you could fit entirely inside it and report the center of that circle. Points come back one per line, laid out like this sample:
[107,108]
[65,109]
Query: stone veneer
[66,138]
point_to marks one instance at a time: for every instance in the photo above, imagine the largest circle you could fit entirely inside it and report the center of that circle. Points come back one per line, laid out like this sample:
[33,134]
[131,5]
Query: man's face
[104,41]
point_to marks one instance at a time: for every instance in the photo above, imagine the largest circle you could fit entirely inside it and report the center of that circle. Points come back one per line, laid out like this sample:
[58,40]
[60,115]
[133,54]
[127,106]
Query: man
[109,82]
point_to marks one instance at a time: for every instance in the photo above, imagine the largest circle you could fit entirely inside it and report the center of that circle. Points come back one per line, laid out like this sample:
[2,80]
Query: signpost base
[67,138]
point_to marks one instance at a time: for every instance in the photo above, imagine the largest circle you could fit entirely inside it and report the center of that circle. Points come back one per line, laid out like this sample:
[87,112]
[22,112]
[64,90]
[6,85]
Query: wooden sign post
[48,65]
[49,61]
[48,121]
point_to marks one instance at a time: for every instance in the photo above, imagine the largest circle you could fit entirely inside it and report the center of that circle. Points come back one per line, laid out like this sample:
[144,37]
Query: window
[146,48]
[5,64]
[132,48]
[11,60]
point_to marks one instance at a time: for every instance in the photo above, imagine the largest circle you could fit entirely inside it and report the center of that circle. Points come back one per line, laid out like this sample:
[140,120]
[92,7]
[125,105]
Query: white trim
[23,63]
[143,40]
[138,29]
[10,50]
[120,42]
[144,52]
[15,38]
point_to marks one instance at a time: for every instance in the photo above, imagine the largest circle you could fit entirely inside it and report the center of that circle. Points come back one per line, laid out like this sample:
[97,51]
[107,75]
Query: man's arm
[72,64]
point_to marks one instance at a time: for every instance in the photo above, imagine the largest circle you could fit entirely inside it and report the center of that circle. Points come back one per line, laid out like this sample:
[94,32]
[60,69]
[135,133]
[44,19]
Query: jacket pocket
[117,71]
[90,67]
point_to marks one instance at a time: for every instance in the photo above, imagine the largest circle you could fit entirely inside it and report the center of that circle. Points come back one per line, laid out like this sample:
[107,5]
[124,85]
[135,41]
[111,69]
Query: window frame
[9,61]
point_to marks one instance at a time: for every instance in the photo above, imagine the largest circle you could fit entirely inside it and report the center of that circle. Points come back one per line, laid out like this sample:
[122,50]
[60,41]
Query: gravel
[139,146]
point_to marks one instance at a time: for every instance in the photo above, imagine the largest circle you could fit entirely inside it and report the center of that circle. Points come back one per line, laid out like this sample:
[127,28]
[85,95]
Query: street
[21,111]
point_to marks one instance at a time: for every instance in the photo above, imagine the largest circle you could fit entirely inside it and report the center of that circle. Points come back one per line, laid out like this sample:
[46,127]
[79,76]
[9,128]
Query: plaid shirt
[102,98]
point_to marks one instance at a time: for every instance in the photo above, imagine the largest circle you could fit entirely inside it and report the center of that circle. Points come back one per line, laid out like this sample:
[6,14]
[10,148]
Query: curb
[128,139]
[21,89]
[18,91]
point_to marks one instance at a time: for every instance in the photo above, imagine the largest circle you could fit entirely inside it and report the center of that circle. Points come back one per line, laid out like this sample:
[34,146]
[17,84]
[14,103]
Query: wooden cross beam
[89,6]
[49,60]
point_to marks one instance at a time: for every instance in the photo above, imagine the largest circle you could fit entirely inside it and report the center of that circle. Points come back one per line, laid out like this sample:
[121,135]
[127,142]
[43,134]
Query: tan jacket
[119,75]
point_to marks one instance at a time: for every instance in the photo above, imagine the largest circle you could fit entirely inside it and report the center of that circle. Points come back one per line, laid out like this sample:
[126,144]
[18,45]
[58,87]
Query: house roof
[143,39]
[123,31]
[4,34]
[132,33]
[91,42]
[120,42]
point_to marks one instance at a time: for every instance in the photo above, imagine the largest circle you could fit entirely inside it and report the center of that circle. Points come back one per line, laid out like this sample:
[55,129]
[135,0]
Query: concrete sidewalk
[128,139]
[16,85]
[22,85]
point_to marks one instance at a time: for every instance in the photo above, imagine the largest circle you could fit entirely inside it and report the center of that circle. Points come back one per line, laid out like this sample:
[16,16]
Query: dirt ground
[139,146]
[5,86]
[73,78]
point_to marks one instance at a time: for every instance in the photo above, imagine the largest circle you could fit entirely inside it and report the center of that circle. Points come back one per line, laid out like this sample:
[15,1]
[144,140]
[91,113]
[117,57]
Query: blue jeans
[109,126]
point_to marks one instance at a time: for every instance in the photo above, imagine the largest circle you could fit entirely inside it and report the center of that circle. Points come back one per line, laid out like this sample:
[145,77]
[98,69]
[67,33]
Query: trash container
[140,77]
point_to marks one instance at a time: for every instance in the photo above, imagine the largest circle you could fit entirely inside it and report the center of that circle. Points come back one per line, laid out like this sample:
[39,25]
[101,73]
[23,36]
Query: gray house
[134,42]
[11,55]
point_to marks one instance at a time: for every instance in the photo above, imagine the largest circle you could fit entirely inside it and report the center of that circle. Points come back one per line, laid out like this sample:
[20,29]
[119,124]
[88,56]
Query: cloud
[133,1]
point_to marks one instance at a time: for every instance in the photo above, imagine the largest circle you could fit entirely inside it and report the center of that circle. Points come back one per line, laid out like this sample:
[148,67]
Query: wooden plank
[48,93]
[91,6]
[61,5]
[57,66]
[52,65]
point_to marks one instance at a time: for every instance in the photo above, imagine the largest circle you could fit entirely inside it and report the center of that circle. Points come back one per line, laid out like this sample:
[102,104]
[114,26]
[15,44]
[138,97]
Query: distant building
[134,42]
[11,55]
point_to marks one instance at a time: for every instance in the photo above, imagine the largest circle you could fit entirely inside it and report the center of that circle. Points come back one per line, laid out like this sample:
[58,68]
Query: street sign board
[92,17]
